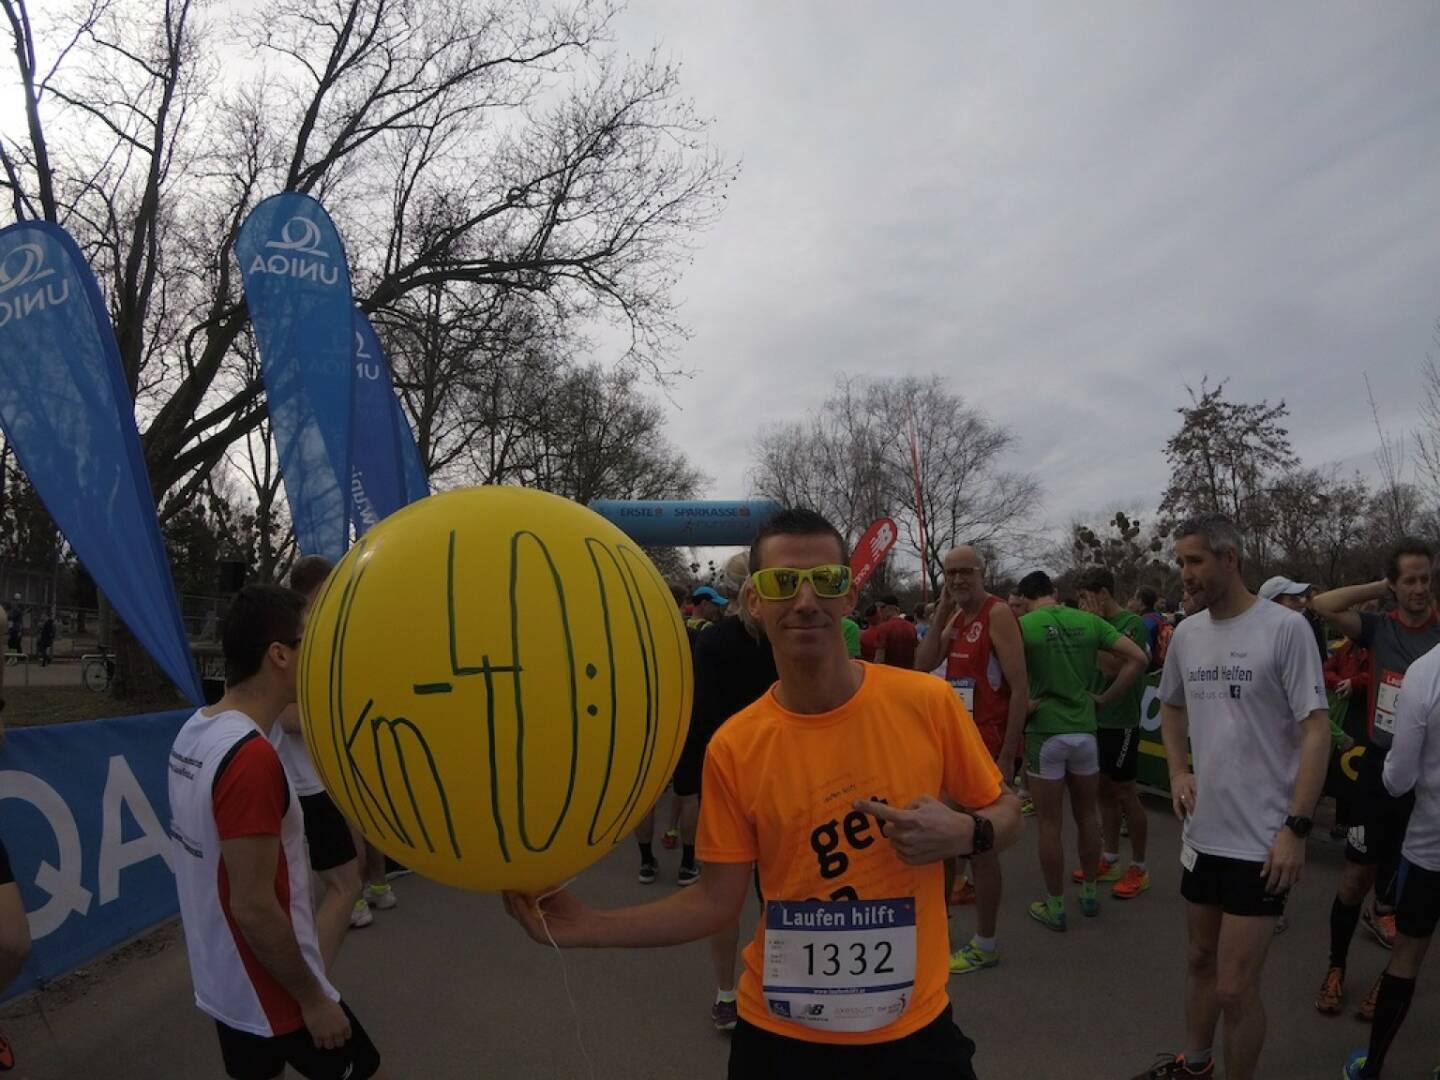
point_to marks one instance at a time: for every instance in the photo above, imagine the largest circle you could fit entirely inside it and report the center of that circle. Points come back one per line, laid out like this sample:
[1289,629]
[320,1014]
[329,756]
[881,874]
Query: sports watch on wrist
[984,838]
[1300,826]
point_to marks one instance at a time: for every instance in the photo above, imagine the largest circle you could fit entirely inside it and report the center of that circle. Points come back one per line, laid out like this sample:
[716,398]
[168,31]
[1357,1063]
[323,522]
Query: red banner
[870,552]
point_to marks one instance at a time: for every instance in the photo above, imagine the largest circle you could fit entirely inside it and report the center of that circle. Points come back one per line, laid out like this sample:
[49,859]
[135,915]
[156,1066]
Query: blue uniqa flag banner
[385,465]
[297,284]
[66,409]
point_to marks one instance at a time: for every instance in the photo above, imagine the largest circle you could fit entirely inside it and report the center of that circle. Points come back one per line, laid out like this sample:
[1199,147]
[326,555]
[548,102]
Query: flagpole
[920,513]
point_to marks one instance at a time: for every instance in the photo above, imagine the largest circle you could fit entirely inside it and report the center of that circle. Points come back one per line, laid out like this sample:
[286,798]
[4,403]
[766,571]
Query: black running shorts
[326,832]
[1119,752]
[1417,900]
[1378,820]
[938,1051]
[1236,886]
[254,1057]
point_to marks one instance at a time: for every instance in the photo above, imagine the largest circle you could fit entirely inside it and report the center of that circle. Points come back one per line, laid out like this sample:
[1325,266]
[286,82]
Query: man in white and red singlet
[984,660]
[241,869]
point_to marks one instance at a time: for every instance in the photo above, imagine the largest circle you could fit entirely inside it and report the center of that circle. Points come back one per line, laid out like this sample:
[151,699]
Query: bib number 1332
[839,965]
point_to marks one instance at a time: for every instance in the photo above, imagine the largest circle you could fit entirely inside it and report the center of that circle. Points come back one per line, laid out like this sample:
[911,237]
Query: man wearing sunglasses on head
[838,785]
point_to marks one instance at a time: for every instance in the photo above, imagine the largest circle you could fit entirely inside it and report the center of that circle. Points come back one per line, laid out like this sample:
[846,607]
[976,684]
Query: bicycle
[97,670]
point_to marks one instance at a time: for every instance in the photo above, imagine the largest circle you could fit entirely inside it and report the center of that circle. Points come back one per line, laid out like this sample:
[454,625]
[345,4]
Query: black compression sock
[647,853]
[1391,1006]
[1343,920]
[687,856]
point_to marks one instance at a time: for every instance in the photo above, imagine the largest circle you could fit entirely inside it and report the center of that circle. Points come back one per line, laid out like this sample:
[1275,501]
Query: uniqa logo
[24,265]
[296,254]
[365,365]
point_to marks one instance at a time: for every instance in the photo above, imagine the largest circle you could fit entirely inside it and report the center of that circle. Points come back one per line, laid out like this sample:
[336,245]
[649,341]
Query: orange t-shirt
[778,791]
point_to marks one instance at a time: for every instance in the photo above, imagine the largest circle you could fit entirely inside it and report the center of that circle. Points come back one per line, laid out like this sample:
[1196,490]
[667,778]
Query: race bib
[846,965]
[965,691]
[1188,855]
[1387,701]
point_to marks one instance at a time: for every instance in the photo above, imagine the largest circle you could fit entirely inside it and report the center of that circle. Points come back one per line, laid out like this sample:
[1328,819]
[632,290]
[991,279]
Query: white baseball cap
[1282,586]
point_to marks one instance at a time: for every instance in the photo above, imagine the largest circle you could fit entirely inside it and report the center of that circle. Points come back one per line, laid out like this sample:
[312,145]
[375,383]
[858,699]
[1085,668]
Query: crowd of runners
[864,782]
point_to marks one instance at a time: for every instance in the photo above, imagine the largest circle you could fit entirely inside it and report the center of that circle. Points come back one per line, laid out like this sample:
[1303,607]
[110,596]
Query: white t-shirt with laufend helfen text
[1247,683]
[1413,763]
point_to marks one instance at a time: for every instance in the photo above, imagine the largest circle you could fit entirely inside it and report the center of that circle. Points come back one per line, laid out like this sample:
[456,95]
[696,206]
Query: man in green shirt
[851,629]
[1061,646]
[1118,740]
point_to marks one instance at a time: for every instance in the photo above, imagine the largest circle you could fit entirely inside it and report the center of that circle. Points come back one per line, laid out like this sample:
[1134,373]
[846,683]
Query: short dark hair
[309,573]
[1148,597]
[796,521]
[1035,585]
[1096,579]
[890,600]
[1409,545]
[258,616]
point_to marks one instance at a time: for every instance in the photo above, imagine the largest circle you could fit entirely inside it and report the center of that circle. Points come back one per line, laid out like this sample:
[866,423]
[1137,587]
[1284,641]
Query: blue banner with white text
[687,523]
[85,809]
[383,457]
[66,409]
[297,283]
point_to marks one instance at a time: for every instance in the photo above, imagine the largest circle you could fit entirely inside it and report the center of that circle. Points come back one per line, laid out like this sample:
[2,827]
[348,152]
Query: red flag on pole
[870,552]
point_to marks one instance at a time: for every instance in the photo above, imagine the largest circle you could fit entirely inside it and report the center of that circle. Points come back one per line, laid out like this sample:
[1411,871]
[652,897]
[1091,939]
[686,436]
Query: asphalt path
[448,987]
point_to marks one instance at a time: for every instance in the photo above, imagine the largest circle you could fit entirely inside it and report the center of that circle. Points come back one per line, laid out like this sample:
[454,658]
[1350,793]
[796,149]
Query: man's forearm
[272,940]
[1314,763]
[1349,596]
[683,916]
[1123,681]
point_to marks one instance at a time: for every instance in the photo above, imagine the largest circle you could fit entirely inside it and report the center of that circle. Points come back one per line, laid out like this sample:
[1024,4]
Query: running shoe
[360,914]
[671,838]
[1040,912]
[1089,906]
[1173,1067]
[1366,1011]
[1027,807]
[1381,927]
[970,957]
[1108,872]
[724,1014]
[7,1055]
[648,872]
[1353,1064]
[688,875]
[381,897]
[1132,884]
[963,893]
[1332,992]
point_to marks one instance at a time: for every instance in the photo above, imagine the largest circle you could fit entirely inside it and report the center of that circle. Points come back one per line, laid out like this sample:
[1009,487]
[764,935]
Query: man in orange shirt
[830,786]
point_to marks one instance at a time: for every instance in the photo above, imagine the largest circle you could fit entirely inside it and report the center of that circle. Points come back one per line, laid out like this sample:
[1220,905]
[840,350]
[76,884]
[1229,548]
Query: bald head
[965,556]
[965,576]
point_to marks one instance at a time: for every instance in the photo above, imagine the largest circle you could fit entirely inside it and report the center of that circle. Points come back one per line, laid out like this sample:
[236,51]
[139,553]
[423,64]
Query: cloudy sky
[1068,210]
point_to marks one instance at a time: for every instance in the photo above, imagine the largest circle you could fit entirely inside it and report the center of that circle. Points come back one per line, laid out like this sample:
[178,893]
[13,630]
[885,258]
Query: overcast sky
[1068,210]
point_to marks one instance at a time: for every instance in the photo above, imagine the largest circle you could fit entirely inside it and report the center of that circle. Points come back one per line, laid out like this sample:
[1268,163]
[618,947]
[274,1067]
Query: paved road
[448,988]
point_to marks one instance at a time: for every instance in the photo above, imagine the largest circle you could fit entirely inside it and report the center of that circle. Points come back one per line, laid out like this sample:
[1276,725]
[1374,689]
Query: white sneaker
[380,896]
[360,915]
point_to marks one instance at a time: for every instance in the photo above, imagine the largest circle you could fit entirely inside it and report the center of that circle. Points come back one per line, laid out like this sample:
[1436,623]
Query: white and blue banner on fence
[85,816]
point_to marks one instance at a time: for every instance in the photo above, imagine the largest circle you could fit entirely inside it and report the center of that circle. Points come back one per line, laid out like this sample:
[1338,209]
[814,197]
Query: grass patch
[27,706]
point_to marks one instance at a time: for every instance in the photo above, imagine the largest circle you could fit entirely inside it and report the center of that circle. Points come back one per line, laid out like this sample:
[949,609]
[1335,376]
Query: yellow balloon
[495,685]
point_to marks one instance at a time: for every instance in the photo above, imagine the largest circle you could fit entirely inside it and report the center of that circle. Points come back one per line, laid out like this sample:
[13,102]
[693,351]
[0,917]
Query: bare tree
[498,144]
[851,460]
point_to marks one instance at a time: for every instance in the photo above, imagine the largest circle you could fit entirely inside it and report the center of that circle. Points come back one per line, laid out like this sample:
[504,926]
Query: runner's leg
[332,915]
[986,870]
[14,934]
[1202,1010]
[1244,941]
[1083,798]
[1049,808]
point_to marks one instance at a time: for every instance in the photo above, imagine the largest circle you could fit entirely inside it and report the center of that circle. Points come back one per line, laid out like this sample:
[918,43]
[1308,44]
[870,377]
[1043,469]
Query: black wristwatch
[1300,826]
[984,838]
